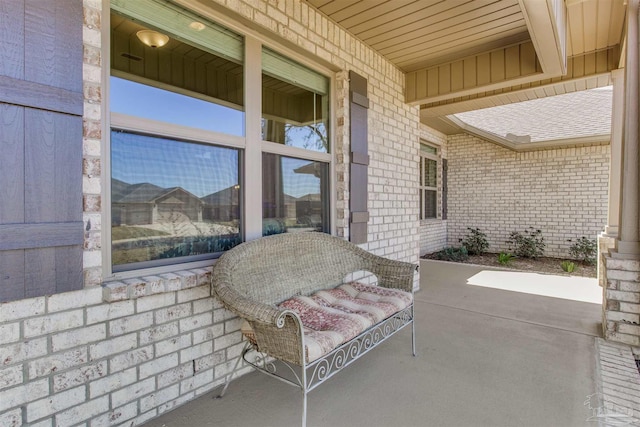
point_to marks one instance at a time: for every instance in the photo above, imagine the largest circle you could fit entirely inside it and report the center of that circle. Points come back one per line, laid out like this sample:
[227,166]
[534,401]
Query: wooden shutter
[445,169]
[359,104]
[41,107]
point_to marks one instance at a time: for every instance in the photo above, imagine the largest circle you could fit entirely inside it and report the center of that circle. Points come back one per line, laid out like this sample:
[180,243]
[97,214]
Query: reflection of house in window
[145,203]
[223,205]
[309,210]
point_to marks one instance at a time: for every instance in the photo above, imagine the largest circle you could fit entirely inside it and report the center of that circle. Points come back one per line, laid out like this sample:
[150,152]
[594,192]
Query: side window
[429,159]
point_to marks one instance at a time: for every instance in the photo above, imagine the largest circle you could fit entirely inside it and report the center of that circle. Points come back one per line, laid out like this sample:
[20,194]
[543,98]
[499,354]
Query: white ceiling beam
[547,24]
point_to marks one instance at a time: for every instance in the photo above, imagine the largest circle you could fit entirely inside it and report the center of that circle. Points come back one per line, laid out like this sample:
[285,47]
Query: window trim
[251,144]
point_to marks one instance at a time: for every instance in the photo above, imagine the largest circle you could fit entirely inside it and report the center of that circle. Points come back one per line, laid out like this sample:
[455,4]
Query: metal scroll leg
[230,375]
[304,408]
[413,332]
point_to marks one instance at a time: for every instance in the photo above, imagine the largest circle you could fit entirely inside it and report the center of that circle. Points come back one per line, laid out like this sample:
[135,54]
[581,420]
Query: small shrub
[584,250]
[475,241]
[568,266]
[529,244]
[452,254]
[505,258]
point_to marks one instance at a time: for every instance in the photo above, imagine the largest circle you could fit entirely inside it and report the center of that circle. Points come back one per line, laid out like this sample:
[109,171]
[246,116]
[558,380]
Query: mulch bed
[539,265]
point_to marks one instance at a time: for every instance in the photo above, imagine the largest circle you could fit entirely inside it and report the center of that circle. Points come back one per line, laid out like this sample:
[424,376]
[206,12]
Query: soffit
[417,34]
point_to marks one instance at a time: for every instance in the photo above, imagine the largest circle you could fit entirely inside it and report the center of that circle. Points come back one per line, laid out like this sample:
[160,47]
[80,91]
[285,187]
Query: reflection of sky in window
[200,169]
[298,184]
[148,102]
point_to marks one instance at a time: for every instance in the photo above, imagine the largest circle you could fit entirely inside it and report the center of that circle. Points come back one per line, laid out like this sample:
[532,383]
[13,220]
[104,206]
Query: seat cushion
[334,316]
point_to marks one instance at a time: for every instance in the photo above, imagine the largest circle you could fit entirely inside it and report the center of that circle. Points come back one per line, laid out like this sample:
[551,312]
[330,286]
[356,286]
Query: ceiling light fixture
[153,39]
[198,26]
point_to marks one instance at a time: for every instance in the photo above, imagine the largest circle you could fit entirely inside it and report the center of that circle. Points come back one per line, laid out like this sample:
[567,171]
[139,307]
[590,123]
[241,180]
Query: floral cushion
[333,317]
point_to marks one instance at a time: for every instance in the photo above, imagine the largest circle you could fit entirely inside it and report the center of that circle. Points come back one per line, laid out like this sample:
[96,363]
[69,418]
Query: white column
[615,163]
[628,243]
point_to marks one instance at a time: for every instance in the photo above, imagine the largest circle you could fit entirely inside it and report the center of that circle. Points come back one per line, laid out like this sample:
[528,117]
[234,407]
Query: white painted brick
[194,293]
[78,376]
[195,322]
[20,395]
[158,333]
[11,418]
[116,417]
[209,361]
[76,299]
[208,334]
[141,419]
[132,392]
[112,382]
[9,332]
[130,323]
[196,351]
[203,305]
[131,358]
[55,403]
[21,351]
[174,312]
[153,302]
[83,412]
[109,311]
[157,365]
[159,397]
[48,422]
[53,323]
[57,362]
[112,346]
[78,337]
[227,340]
[176,374]
[14,310]
[11,376]
[196,381]
[173,344]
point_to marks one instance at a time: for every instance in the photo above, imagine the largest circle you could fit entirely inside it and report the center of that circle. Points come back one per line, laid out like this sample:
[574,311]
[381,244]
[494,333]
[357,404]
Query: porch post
[621,302]
[607,239]
[628,237]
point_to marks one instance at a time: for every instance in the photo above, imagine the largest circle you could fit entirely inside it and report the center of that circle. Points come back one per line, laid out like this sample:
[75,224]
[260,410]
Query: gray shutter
[41,107]
[445,169]
[359,104]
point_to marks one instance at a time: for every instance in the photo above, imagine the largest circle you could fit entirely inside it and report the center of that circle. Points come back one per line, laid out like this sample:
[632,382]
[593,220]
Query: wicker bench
[305,320]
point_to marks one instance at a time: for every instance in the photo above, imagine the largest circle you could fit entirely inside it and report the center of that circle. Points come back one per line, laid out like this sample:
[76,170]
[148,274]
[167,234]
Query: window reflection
[294,195]
[172,198]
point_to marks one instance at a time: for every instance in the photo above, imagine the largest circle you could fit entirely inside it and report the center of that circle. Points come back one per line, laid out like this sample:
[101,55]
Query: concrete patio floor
[485,357]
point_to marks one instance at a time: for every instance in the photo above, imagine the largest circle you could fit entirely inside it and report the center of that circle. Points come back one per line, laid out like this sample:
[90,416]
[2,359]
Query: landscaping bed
[540,265]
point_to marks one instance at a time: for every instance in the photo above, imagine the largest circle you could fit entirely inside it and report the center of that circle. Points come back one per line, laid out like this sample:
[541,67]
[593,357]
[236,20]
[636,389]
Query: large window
[180,149]
[428,181]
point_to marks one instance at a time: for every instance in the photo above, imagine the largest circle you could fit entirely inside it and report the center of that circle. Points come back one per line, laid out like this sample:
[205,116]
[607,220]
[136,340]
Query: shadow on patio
[486,357]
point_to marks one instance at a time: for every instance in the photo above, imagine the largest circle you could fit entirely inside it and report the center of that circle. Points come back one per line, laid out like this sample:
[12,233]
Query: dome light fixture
[153,39]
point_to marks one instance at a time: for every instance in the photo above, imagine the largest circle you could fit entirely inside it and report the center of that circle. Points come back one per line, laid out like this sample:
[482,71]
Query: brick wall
[562,192]
[126,351]
[621,303]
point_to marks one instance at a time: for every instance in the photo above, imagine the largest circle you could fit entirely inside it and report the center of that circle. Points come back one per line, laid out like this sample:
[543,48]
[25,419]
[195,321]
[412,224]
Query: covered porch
[484,357]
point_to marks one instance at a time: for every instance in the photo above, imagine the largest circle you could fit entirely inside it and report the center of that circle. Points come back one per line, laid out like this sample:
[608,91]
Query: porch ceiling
[462,55]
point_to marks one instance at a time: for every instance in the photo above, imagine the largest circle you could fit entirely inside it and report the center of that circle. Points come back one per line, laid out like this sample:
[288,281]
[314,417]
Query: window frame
[422,188]
[251,145]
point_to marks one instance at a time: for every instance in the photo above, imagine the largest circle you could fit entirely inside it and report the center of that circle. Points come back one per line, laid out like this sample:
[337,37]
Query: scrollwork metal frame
[310,375]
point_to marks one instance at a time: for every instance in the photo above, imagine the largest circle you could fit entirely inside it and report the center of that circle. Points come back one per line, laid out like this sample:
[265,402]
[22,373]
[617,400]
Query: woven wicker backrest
[272,269]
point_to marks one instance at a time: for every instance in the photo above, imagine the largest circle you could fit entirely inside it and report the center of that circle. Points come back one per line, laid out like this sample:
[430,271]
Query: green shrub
[505,258]
[568,266]
[529,244]
[452,254]
[584,250]
[475,241]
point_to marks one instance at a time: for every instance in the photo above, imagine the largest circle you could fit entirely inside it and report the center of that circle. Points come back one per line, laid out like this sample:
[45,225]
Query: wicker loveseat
[305,320]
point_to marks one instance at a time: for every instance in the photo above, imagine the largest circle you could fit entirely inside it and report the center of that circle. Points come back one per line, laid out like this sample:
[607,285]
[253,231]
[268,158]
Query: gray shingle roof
[572,115]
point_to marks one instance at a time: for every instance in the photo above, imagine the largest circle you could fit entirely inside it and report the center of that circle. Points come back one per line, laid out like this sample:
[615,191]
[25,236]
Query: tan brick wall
[126,351]
[562,192]
[621,304]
